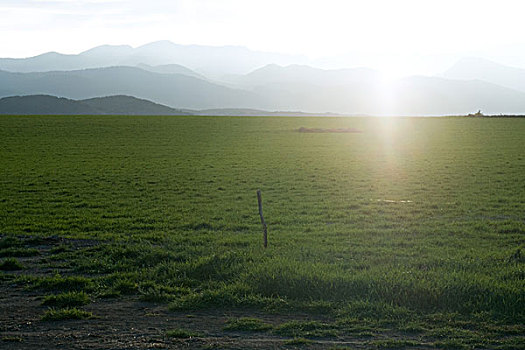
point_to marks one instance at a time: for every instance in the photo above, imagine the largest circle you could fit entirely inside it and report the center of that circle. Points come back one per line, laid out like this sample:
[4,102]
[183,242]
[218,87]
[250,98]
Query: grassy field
[413,225]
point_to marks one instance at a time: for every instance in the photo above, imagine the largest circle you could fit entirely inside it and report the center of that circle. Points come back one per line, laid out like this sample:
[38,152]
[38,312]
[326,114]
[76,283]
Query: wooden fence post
[265,231]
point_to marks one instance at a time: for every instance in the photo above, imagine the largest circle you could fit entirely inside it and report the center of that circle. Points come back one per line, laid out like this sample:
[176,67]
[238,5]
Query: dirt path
[127,323]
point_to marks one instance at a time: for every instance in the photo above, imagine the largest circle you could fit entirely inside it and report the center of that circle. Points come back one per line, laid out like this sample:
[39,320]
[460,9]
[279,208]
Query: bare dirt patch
[127,322]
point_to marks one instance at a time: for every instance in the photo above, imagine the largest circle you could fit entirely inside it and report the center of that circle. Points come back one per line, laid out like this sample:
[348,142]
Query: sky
[400,36]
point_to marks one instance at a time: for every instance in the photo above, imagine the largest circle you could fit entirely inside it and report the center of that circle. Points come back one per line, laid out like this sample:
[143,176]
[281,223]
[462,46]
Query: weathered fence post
[265,231]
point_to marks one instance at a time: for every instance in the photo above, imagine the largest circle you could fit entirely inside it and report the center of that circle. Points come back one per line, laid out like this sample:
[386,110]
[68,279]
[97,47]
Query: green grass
[61,249]
[298,341]
[155,293]
[181,333]
[413,220]
[66,314]
[394,344]
[62,283]
[9,242]
[248,324]
[18,252]
[68,299]
[11,264]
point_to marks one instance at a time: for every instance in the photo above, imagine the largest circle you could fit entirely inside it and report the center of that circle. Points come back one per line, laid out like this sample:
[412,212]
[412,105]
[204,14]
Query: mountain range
[477,68]
[208,60]
[111,105]
[175,76]
[174,90]
[118,105]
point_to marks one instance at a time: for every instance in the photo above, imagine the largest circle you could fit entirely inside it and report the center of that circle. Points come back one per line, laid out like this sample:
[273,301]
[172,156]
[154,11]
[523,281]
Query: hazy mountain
[365,91]
[275,75]
[212,60]
[114,105]
[175,90]
[437,96]
[128,105]
[45,62]
[43,104]
[275,88]
[171,69]
[257,112]
[111,105]
[105,53]
[6,92]
[478,68]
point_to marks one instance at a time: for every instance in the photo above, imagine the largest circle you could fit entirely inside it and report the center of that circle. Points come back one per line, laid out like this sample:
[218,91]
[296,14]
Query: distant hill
[231,80]
[297,75]
[128,105]
[437,96]
[171,69]
[258,112]
[274,88]
[174,90]
[365,91]
[480,69]
[111,105]
[215,60]
[116,105]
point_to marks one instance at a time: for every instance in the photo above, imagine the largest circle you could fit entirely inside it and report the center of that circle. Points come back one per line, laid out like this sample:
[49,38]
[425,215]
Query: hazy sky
[393,34]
